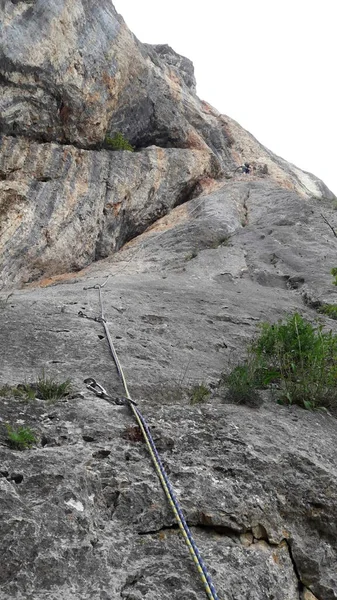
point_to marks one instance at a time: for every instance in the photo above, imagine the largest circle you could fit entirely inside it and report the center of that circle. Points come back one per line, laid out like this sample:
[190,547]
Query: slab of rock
[194,255]
[88,517]
[258,485]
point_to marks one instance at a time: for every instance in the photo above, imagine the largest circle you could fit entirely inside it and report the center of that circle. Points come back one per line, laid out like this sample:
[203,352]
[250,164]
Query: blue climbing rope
[165,482]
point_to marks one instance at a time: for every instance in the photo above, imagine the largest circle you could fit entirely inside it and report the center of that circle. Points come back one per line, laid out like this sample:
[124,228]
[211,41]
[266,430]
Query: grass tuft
[46,388]
[191,255]
[49,389]
[22,391]
[242,384]
[20,438]
[222,241]
[199,393]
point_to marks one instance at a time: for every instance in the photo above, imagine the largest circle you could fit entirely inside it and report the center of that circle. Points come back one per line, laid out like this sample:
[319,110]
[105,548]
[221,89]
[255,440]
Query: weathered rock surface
[84,516]
[197,255]
[258,485]
[86,76]
[63,208]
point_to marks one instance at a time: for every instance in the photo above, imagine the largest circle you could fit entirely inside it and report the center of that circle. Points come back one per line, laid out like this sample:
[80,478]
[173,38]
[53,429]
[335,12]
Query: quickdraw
[164,480]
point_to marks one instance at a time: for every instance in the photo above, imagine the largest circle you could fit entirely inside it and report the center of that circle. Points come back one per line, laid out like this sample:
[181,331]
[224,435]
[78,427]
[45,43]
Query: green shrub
[329,309]
[199,393]
[334,273]
[295,357]
[118,142]
[242,383]
[20,438]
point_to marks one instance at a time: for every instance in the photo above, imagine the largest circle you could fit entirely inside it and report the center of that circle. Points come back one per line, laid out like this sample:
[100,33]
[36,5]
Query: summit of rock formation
[194,254]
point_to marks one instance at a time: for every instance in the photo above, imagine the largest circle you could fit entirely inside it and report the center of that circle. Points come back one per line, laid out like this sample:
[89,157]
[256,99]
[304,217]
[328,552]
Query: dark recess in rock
[191,190]
[16,477]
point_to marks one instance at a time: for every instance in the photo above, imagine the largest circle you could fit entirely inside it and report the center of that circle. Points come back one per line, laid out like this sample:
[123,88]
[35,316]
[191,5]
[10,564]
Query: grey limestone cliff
[195,255]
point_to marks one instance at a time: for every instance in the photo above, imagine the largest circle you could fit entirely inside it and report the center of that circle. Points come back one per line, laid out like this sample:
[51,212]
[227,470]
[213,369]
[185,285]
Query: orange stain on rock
[55,279]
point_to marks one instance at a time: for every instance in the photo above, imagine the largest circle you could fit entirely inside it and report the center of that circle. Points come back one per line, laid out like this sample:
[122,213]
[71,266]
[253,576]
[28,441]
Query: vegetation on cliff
[296,359]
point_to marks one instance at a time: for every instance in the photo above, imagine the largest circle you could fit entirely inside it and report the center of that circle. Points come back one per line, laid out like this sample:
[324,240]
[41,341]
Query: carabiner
[95,387]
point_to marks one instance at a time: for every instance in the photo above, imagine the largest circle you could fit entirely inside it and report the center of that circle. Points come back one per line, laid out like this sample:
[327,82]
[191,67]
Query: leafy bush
[330,310]
[334,273]
[242,383]
[20,438]
[295,357]
[5,390]
[118,142]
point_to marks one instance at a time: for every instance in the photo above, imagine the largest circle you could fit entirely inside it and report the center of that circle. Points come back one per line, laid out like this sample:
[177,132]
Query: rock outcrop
[196,254]
[86,77]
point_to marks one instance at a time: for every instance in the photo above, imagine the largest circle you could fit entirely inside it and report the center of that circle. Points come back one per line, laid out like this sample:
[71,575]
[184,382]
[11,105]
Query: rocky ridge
[196,255]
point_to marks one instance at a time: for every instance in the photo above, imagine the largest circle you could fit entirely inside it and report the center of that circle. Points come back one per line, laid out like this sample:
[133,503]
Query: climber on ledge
[245,168]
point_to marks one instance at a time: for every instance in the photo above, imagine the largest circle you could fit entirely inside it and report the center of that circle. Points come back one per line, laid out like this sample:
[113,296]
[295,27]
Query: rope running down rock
[169,492]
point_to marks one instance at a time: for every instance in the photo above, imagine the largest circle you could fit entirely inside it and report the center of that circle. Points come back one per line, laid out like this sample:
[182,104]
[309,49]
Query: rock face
[85,77]
[88,518]
[63,208]
[196,255]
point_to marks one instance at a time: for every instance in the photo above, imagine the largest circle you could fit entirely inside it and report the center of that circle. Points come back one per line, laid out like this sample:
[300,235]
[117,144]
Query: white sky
[269,65]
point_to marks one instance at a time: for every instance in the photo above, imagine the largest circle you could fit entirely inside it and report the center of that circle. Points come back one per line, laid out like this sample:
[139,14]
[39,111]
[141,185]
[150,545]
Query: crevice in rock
[295,282]
[224,530]
[131,580]
[45,440]
[160,140]
[16,477]
[43,179]
[310,301]
[160,530]
[102,453]
[245,218]
[298,577]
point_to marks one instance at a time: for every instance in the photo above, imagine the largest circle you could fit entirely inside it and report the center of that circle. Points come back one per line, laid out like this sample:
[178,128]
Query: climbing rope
[164,480]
